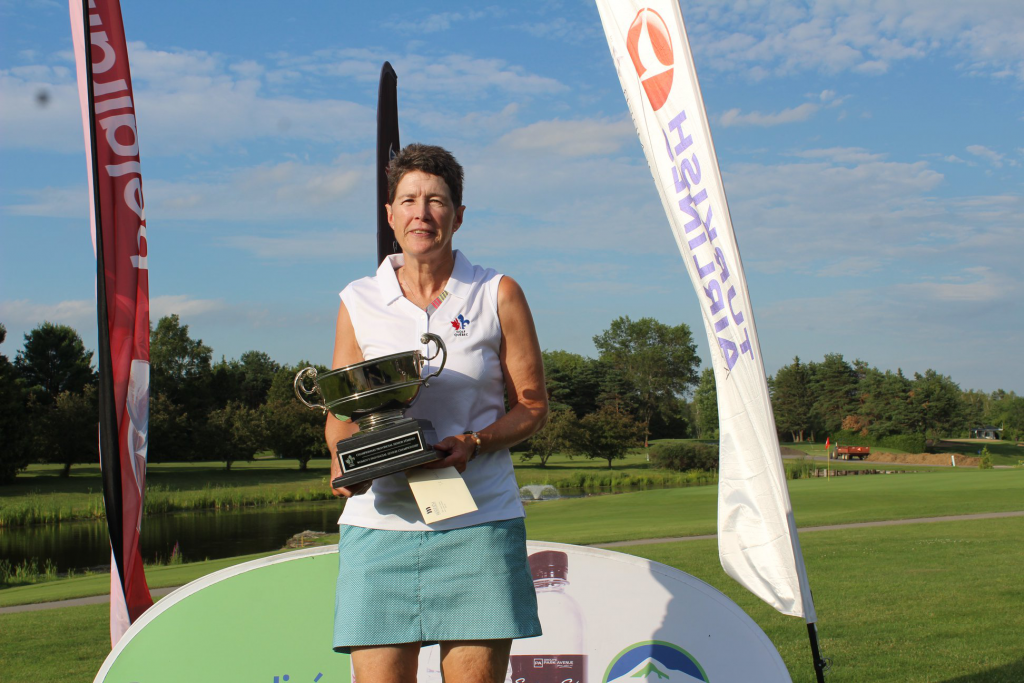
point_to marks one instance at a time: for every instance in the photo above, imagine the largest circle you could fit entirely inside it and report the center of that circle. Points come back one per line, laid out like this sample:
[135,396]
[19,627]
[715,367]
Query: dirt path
[160,592]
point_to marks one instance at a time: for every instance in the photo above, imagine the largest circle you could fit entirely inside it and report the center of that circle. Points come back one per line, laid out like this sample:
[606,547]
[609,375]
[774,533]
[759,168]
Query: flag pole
[821,665]
[110,456]
[387,147]
[118,225]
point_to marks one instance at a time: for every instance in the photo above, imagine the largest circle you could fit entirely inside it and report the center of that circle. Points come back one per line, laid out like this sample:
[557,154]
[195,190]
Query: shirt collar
[387,280]
[390,291]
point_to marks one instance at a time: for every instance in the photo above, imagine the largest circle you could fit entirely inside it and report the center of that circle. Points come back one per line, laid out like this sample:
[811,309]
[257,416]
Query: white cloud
[290,190]
[196,101]
[993,157]
[26,314]
[868,36]
[578,138]
[307,247]
[842,155]
[734,117]
[829,98]
[978,285]
[913,326]
[422,75]
[183,305]
[433,23]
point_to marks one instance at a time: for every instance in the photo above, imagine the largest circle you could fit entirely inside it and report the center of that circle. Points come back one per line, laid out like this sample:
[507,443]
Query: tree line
[852,400]
[643,385]
[199,410]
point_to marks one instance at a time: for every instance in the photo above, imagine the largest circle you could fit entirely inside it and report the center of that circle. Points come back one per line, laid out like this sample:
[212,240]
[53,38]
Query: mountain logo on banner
[650,47]
[655,661]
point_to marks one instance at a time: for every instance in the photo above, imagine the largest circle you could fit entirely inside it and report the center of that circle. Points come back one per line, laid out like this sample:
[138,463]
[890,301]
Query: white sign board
[632,620]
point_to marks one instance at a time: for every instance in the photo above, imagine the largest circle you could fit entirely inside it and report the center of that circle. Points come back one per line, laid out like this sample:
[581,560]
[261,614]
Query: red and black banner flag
[118,220]
[387,148]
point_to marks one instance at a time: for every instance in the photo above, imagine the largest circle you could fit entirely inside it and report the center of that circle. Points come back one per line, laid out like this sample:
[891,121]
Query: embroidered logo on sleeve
[461,326]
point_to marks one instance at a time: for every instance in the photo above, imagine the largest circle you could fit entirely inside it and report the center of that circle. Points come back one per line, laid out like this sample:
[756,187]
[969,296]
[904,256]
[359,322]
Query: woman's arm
[523,369]
[346,352]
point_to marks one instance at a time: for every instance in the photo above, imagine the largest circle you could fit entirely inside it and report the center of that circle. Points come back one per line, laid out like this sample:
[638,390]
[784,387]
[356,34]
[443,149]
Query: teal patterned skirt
[396,587]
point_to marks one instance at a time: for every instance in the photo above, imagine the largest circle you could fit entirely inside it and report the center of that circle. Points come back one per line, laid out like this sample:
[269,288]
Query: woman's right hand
[334,431]
[357,490]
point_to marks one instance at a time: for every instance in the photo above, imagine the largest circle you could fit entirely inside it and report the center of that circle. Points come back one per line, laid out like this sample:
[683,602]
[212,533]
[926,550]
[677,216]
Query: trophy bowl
[374,394]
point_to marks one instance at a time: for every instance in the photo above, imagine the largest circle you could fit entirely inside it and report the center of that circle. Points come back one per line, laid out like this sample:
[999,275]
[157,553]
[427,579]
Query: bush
[986,459]
[685,456]
[911,443]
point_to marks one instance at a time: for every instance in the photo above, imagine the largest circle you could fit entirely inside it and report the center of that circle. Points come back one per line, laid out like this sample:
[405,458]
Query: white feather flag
[757,537]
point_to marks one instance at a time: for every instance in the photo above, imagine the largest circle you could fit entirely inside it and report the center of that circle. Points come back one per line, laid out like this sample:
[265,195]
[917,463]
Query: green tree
[294,431]
[14,419]
[658,362]
[171,432]
[557,436]
[791,400]
[705,403]
[573,381]
[886,403]
[235,433]
[937,404]
[68,433]
[833,384]
[608,434]
[674,420]
[1006,410]
[55,360]
[258,370]
[179,365]
[973,405]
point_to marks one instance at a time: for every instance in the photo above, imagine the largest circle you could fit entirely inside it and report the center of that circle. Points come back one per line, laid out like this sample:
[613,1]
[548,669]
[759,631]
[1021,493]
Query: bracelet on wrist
[476,442]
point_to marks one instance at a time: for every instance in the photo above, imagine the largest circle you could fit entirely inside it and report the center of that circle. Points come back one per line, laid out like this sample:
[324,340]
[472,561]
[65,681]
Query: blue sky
[872,153]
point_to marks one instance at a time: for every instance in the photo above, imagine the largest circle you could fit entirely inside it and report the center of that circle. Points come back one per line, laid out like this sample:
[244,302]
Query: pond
[199,535]
[205,535]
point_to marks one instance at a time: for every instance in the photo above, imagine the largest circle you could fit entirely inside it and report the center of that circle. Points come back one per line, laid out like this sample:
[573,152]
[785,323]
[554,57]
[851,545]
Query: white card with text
[440,493]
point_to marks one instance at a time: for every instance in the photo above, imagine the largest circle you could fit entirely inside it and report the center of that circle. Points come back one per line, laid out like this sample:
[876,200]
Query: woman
[463,582]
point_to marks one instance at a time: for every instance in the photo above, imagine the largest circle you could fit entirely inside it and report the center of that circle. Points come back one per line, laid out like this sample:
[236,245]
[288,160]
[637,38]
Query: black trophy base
[369,455]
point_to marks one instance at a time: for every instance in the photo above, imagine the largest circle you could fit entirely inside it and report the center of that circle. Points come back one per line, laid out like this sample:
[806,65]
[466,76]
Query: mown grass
[86,585]
[1003,452]
[935,603]
[919,603]
[41,496]
[673,512]
[816,502]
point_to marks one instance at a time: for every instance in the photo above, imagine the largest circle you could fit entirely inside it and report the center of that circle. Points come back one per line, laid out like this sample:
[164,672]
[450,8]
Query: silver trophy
[375,394]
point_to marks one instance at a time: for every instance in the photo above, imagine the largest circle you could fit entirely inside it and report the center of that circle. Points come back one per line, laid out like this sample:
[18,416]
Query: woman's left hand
[459,451]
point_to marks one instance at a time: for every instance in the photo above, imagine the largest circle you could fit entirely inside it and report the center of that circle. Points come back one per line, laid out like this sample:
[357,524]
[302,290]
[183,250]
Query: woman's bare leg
[386,663]
[475,661]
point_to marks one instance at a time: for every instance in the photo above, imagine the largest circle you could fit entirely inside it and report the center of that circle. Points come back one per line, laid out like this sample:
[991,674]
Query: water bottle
[557,656]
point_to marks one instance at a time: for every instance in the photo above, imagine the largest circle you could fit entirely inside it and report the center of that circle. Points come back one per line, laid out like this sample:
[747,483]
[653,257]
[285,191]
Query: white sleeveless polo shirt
[468,395]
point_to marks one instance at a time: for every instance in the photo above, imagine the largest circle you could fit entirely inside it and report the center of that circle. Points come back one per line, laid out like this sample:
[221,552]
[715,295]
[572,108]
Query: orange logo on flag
[650,48]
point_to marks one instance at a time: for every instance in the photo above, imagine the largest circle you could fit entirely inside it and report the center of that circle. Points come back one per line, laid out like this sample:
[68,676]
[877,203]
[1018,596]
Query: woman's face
[423,215]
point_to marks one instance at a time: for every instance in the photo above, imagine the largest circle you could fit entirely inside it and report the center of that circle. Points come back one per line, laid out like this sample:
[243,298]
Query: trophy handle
[426,339]
[300,388]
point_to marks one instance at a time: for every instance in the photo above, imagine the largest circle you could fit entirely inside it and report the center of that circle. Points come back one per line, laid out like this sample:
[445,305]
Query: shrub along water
[683,455]
[54,509]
